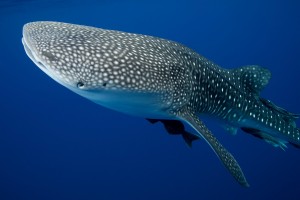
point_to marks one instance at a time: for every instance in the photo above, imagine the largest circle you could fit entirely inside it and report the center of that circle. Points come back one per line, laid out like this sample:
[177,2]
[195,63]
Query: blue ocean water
[55,144]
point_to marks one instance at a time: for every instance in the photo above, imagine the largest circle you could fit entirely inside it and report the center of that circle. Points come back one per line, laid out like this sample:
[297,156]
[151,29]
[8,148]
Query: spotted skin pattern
[157,78]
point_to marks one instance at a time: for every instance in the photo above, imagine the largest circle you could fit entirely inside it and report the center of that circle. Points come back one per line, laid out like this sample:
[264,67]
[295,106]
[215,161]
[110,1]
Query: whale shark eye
[80,84]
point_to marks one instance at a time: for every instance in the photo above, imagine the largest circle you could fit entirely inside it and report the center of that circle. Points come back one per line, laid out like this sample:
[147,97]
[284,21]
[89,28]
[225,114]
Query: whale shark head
[122,71]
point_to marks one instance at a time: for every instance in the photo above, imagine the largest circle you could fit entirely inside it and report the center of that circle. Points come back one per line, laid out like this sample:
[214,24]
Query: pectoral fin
[226,157]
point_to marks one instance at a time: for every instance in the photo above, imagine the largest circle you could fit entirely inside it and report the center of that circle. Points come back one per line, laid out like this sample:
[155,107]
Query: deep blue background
[56,145]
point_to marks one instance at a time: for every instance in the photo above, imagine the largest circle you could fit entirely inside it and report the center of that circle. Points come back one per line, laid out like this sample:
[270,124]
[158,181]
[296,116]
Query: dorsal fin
[252,77]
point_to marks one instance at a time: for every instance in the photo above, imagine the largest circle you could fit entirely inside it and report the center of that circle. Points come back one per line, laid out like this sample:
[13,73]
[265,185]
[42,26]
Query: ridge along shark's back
[160,80]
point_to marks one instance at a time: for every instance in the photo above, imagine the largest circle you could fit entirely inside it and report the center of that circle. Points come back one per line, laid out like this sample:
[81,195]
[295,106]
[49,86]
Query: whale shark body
[162,81]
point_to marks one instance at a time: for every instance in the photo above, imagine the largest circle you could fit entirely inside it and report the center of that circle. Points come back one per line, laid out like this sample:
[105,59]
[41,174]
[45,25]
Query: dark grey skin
[159,79]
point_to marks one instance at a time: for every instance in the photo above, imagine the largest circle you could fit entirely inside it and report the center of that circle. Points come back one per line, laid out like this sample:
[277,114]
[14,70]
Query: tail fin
[287,116]
[287,121]
[294,144]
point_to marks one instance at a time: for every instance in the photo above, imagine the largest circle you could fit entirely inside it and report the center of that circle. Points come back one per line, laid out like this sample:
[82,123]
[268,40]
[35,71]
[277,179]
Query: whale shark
[162,81]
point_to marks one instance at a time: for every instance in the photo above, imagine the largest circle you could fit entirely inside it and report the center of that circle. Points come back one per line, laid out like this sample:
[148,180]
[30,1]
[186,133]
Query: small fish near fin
[254,78]
[189,138]
[227,159]
[276,142]
[231,129]
[176,127]
[287,116]
[152,121]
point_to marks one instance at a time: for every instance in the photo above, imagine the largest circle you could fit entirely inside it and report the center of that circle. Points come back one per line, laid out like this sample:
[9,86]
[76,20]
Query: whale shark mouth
[32,54]
[29,49]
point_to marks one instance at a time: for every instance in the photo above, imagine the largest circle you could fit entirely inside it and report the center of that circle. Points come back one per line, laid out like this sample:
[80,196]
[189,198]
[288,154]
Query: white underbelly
[137,104]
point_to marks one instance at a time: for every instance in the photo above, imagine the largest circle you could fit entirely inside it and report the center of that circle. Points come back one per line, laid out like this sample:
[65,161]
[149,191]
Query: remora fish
[160,80]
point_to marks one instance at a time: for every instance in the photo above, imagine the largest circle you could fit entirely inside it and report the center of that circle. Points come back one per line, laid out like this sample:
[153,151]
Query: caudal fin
[287,116]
